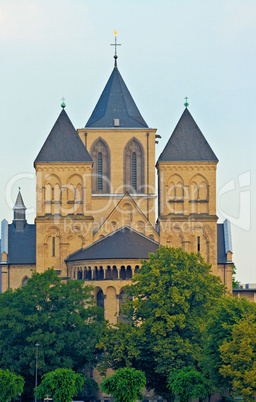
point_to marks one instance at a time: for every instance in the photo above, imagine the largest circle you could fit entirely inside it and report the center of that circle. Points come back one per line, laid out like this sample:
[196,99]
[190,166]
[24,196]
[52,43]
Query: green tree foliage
[10,385]
[62,384]
[239,358]
[52,313]
[187,383]
[125,385]
[235,283]
[219,331]
[173,294]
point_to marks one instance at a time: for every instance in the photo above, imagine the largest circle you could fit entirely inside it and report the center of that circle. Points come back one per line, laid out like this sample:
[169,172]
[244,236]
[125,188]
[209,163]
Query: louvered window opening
[134,171]
[100,183]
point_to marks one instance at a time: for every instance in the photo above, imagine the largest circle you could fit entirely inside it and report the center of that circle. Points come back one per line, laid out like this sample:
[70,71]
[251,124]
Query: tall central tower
[122,147]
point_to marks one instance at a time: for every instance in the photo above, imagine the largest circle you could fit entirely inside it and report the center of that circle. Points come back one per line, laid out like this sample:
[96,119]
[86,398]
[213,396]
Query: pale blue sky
[170,49]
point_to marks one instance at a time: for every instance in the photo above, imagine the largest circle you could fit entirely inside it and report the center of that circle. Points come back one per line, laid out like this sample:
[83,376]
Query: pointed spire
[19,212]
[63,144]
[19,204]
[116,107]
[187,143]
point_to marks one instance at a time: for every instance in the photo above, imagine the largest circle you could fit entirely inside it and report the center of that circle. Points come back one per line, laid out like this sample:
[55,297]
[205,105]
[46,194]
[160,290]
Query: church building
[98,212]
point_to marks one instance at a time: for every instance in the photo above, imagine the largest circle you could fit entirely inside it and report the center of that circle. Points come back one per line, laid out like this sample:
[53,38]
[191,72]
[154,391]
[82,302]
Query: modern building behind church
[97,215]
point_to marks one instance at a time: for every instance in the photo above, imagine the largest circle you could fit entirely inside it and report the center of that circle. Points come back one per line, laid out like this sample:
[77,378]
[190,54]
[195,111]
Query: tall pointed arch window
[101,166]
[134,167]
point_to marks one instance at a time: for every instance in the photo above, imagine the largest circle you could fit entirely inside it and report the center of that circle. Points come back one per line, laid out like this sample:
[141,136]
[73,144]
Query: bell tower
[63,173]
[122,147]
[187,191]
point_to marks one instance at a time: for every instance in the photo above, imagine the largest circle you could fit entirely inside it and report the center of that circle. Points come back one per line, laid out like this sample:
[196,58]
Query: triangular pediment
[126,213]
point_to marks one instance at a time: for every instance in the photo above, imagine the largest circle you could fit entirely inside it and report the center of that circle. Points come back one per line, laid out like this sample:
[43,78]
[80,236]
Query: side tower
[187,192]
[63,174]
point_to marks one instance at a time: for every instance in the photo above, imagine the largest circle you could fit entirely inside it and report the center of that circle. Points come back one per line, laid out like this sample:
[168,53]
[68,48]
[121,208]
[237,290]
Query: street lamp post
[36,345]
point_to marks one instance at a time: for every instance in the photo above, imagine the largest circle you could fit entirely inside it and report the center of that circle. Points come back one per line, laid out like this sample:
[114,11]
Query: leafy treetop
[125,385]
[62,384]
[52,313]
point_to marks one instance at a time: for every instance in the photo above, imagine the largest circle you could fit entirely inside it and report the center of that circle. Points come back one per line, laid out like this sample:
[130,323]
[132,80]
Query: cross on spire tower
[115,44]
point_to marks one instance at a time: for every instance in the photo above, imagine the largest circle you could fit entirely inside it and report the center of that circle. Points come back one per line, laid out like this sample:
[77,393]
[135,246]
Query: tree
[224,318]
[62,384]
[52,313]
[10,385]
[187,383]
[172,296]
[125,385]
[235,283]
[239,358]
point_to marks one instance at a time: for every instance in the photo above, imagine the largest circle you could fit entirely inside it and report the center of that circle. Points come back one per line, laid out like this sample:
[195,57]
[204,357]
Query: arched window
[24,281]
[123,297]
[199,195]
[100,299]
[129,272]
[122,272]
[101,273]
[134,167]
[175,194]
[101,166]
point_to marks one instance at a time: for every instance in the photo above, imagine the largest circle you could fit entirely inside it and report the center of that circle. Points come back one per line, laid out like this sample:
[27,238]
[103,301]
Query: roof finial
[115,44]
[186,103]
[63,105]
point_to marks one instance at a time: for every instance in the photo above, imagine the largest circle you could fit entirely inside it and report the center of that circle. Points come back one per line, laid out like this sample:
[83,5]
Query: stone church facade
[98,212]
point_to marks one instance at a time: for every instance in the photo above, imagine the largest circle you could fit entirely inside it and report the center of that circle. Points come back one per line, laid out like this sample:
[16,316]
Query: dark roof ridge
[122,229]
[118,230]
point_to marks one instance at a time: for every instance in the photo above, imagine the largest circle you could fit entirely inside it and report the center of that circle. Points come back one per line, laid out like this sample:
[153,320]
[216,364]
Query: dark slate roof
[22,245]
[187,143]
[124,243]
[19,204]
[116,102]
[63,144]
[221,254]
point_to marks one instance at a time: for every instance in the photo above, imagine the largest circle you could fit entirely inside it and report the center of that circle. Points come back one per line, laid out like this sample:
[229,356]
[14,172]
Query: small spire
[19,204]
[115,44]
[19,213]
[63,105]
[186,103]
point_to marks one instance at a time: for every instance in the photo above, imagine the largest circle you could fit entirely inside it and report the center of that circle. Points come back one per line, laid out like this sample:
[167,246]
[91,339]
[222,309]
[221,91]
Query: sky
[169,49]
